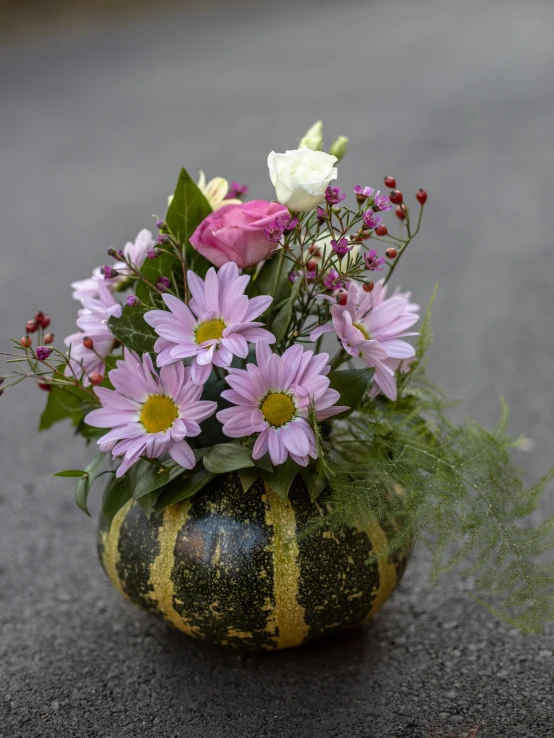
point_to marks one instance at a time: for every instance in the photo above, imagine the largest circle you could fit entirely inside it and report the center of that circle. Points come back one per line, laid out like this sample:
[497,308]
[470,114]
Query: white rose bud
[301,177]
[340,147]
[313,138]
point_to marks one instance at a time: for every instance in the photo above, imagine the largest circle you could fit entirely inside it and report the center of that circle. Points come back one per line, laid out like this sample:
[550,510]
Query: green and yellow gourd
[232,567]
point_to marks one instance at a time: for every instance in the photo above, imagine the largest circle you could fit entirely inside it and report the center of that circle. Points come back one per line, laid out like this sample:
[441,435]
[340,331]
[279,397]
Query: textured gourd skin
[228,566]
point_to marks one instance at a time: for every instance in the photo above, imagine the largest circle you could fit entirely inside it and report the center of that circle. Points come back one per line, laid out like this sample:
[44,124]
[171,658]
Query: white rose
[301,177]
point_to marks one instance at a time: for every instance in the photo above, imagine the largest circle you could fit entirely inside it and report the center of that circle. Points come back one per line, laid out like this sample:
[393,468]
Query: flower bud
[391,253]
[39,317]
[31,326]
[48,338]
[311,266]
[421,196]
[154,253]
[96,378]
[43,352]
[45,321]
[46,386]
[381,230]
[313,138]
[368,286]
[396,197]
[133,301]
[390,182]
[321,215]
[161,225]
[162,284]
[88,343]
[400,212]
[163,238]
[26,341]
[340,147]
[343,297]
[109,272]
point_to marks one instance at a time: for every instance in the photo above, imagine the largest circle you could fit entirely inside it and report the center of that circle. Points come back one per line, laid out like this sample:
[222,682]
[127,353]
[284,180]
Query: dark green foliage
[133,331]
[227,457]
[353,385]
[64,403]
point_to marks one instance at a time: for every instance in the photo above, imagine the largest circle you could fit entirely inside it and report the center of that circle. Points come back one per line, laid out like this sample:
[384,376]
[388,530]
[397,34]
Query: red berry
[48,338]
[400,213]
[88,342]
[381,230]
[390,182]
[39,317]
[31,326]
[311,266]
[421,196]
[342,298]
[391,253]
[396,197]
[45,321]
[368,286]
[26,341]
[96,378]
[46,386]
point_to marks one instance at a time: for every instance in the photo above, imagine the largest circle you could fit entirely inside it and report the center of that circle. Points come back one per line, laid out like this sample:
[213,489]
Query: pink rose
[236,233]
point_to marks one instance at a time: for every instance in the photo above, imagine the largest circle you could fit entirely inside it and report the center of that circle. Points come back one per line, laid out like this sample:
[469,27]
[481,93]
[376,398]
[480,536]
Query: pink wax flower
[216,325]
[273,398]
[149,414]
[93,323]
[371,326]
[236,233]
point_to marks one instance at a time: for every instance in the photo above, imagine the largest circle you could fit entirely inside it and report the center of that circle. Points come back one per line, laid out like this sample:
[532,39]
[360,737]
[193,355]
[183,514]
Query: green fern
[461,494]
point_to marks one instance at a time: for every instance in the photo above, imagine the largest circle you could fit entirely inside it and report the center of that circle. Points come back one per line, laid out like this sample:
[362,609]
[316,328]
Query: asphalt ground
[95,122]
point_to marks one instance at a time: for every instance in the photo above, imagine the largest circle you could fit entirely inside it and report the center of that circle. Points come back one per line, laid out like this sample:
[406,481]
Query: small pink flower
[136,252]
[273,398]
[93,322]
[371,219]
[215,326]
[237,233]
[149,414]
[370,326]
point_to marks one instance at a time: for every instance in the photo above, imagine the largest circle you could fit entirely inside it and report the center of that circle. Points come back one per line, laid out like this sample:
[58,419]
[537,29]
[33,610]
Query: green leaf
[149,501]
[248,477]
[227,457]
[281,478]
[281,322]
[353,385]
[264,463]
[314,482]
[263,283]
[212,430]
[71,473]
[84,485]
[183,487]
[150,478]
[133,331]
[117,493]
[61,404]
[187,209]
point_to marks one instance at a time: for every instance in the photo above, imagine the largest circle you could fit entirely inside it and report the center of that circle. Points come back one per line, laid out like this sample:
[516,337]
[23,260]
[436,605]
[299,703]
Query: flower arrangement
[203,351]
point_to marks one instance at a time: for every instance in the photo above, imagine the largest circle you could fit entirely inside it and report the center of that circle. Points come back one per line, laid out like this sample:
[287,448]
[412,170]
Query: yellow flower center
[277,409]
[158,413]
[362,329]
[210,329]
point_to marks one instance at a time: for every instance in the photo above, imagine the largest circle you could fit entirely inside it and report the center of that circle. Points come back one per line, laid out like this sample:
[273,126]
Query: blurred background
[101,103]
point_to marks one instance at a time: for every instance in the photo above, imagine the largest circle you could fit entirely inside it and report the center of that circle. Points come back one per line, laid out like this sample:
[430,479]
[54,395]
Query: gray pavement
[94,125]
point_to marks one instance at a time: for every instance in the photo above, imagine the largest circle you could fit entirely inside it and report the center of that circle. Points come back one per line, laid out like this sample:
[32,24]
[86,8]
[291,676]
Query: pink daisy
[371,326]
[93,322]
[273,398]
[135,252]
[215,326]
[149,414]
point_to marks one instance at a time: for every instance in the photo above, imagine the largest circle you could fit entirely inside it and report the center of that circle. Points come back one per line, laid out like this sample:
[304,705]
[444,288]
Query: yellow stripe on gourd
[287,615]
[386,568]
[163,589]
[110,545]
